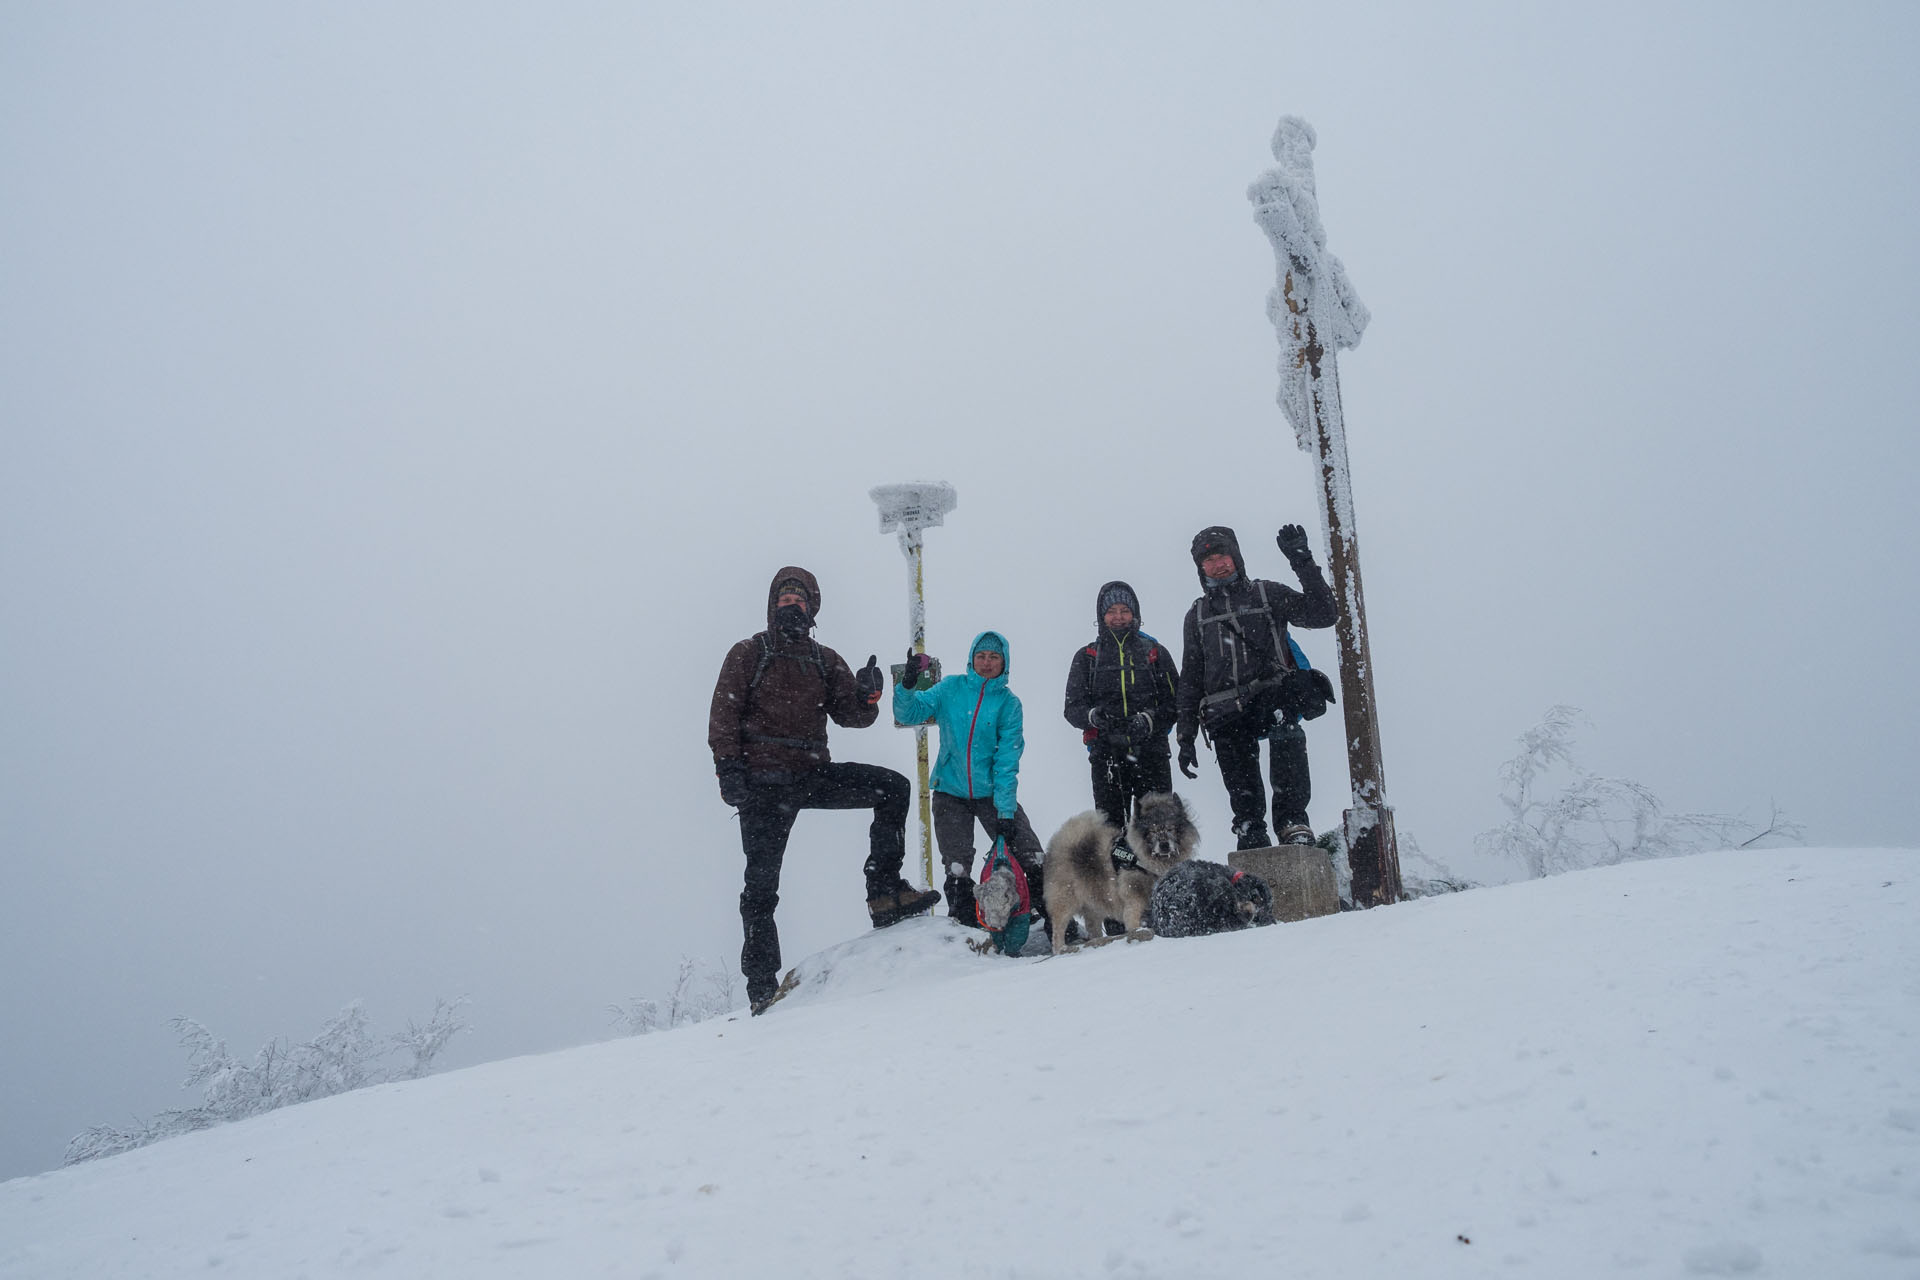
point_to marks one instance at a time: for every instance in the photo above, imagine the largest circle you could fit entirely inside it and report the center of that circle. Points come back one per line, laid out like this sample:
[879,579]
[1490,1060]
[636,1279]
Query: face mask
[792,619]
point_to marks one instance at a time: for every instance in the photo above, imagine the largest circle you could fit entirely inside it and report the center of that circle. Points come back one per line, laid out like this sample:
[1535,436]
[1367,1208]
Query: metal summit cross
[1315,312]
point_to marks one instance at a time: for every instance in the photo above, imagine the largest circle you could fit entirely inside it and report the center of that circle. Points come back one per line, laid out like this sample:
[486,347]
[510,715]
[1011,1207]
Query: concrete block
[1300,875]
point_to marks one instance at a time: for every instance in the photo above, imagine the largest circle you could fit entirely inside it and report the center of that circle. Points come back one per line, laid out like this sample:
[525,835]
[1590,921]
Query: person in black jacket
[1122,694]
[1243,679]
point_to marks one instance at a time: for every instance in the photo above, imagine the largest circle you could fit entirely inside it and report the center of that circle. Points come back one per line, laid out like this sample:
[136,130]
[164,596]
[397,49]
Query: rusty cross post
[1315,312]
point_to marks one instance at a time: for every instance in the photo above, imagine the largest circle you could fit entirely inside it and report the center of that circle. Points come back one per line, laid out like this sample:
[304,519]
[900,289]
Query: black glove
[869,681]
[1189,758]
[1140,726]
[732,773]
[916,667]
[1099,719]
[1292,540]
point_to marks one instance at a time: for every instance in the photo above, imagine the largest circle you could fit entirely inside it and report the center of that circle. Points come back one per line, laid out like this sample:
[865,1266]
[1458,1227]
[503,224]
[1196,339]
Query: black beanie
[1118,593]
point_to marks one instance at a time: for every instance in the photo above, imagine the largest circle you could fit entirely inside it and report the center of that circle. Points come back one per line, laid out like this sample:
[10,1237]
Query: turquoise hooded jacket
[982,729]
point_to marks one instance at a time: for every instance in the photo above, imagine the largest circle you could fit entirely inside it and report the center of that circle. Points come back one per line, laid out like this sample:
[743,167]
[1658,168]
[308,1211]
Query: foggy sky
[406,406]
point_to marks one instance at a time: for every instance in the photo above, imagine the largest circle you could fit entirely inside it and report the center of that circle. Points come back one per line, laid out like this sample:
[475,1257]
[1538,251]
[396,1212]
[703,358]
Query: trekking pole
[1315,312]
[909,510]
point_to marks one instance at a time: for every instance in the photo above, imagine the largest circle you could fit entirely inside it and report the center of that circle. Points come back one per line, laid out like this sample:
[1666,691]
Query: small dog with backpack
[1003,904]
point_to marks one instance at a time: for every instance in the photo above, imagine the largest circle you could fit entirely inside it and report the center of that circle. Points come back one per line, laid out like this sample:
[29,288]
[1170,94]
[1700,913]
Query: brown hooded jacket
[778,722]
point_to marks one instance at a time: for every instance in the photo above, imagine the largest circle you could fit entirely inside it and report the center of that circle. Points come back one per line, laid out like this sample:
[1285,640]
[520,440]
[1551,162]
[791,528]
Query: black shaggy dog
[1204,897]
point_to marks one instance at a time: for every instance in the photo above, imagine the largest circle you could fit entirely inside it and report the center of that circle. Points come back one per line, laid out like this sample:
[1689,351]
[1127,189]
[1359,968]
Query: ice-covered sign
[1312,285]
[910,507]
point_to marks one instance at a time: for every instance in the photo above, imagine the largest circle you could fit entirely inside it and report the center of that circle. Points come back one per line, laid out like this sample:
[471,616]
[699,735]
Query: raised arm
[915,706]
[1313,605]
[849,709]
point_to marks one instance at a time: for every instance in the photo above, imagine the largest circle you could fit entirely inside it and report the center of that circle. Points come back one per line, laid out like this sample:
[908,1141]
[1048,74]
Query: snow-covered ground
[1705,1066]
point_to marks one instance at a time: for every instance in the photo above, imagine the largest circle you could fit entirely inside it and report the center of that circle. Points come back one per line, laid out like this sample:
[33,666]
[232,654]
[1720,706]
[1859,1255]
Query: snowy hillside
[1707,1066]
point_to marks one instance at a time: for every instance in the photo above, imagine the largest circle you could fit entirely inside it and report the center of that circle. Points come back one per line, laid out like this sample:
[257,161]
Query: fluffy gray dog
[1083,880]
[1205,897]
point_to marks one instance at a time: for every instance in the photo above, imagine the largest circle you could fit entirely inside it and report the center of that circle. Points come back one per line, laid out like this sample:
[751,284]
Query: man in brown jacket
[768,732]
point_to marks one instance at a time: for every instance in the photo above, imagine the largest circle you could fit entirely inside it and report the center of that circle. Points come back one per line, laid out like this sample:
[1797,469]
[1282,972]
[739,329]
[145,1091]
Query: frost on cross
[1315,313]
[1285,206]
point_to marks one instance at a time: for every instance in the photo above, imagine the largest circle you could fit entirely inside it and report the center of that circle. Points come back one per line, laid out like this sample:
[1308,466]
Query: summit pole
[909,510]
[1315,313]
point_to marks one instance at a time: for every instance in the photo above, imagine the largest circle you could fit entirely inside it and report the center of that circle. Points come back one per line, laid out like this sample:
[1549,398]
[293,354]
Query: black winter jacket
[1237,634]
[1123,673]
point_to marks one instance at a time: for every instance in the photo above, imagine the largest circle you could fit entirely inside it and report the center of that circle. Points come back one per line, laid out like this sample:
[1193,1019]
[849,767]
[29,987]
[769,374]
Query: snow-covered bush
[425,1041]
[1594,821]
[344,1056]
[1422,876]
[700,991]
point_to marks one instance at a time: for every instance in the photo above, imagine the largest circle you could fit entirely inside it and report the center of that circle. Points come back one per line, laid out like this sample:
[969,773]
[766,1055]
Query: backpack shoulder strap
[1233,612]
[766,660]
[1285,652]
[760,668]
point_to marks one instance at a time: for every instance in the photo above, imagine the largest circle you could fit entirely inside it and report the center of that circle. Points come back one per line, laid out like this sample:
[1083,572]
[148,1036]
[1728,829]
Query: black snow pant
[953,819]
[766,820]
[1236,745]
[1121,778]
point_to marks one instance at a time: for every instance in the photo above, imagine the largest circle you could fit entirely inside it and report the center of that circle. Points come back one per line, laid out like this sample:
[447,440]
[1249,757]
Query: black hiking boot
[1253,837]
[960,905]
[1296,833]
[890,906]
[758,1004]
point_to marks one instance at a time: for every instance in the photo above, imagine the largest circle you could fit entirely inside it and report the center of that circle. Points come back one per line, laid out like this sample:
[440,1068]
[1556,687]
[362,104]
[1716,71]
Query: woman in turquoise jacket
[977,773]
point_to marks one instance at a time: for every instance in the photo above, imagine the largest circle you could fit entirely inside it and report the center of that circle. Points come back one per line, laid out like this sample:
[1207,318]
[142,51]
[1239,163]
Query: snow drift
[1703,1066]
